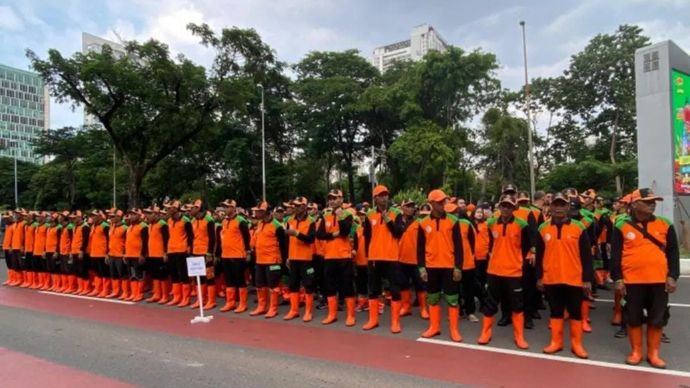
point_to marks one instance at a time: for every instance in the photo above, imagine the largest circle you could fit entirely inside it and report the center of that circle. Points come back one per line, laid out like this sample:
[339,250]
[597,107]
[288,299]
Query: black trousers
[135,270]
[37,263]
[379,271]
[529,285]
[470,290]
[301,273]
[268,275]
[338,277]
[233,270]
[319,274]
[53,262]
[15,262]
[81,266]
[362,280]
[24,261]
[563,297]
[410,278]
[177,265]
[157,268]
[506,291]
[118,269]
[98,265]
[480,270]
[66,265]
[650,297]
[441,280]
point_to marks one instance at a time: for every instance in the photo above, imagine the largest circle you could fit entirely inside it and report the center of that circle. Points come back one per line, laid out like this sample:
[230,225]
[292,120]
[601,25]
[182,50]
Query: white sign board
[196,266]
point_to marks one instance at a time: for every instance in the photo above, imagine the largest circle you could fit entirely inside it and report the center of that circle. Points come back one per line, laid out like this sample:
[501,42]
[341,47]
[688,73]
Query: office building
[422,39]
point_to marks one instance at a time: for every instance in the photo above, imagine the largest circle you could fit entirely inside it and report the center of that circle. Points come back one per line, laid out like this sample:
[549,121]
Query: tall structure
[422,39]
[662,93]
[24,113]
[92,43]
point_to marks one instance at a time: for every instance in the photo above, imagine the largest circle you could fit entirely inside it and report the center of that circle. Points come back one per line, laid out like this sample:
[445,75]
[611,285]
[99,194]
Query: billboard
[680,105]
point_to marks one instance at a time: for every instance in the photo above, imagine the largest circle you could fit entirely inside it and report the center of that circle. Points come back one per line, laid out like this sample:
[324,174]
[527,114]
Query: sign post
[196,266]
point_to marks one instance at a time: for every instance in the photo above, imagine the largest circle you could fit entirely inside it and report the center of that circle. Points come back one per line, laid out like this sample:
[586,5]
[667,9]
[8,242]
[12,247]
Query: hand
[291,232]
[81,256]
[587,286]
[189,251]
[142,260]
[55,255]
[423,275]
[338,212]
[671,285]
[43,256]
[620,287]
[540,285]
[165,257]
[457,275]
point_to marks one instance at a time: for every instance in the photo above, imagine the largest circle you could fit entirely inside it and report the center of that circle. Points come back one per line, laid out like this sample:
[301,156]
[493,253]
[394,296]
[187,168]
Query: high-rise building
[24,113]
[422,39]
[92,43]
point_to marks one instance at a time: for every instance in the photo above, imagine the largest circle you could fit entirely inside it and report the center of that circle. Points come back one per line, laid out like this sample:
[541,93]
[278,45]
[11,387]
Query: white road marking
[668,372]
[670,304]
[87,298]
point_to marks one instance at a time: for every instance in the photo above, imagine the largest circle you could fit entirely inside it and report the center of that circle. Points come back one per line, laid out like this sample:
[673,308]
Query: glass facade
[23,113]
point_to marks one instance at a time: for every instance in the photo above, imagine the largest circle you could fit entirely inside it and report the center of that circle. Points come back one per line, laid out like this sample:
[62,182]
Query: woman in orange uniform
[301,232]
[116,253]
[408,262]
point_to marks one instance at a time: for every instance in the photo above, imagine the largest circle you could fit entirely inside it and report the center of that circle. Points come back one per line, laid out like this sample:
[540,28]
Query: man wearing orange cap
[645,267]
[136,250]
[270,247]
[179,247]
[301,233]
[532,297]
[509,245]
[383,227]
[8,221]
[621,211]
[440,259]
[79,254]
[204,229]
[17,246]
[68,279]
[157,255]
[408,262]
[39,250]
[99,236]
[27,260]
[53,231]
[564,269]
[334,231]
[116,252]
[235,252]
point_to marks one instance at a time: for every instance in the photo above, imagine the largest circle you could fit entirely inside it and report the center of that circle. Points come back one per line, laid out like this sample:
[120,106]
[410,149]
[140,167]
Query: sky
[556,29]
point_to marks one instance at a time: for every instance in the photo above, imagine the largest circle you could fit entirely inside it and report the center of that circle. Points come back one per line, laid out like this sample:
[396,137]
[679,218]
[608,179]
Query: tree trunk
[134,191]
[350,180]
[612,154]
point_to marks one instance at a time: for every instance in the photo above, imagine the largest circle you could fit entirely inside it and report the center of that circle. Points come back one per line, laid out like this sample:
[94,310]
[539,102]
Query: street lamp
[263,145]
[529,115]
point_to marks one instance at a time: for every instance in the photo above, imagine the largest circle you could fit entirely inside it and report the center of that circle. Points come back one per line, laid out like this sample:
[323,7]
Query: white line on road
[87,298]
[511,352]
[670,304]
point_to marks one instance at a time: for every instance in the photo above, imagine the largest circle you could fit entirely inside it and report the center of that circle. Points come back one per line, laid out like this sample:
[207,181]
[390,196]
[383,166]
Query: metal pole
[263,146]
[16,189]
[114,178]
[372,169]
[529,115]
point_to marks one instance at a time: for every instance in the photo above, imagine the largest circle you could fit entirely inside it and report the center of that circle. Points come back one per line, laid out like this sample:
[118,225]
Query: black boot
[621,333]
[529,324]
[505,320]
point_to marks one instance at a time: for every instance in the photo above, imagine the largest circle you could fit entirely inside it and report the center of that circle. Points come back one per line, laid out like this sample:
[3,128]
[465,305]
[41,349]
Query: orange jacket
[481,241]
[638,260]
[40,240]
[29,236]
[467,237]
[137,240]
[269,243]
[563,253]
[235,238]
[335,232]
[204,230]
[300,246]
[319,246]
[510,243]
[181,235]
[80,239]
[7,238]
[18,236]
[360,257]
[158,240]
[408,243]
[439,244]
[53,238]
[66,236]
[116,241]
[99,240]
[382,239]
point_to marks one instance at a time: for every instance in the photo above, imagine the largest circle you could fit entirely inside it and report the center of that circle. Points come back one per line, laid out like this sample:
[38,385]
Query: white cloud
[9,20]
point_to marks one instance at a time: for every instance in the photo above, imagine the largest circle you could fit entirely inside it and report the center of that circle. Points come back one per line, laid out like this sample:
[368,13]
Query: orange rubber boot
[406,300]
[617,309]
[635,338]
[107,285]
[137,290]
[45,285]
[423,309]
[10,277]
[434,322]
[454,323]
[210,297]
[396,306]
[204,292]
[176,294]
[116,288]
[361,303]
[165,292]
[519,330]
[576,339]
[487,328]
[26,279]
[556,345]
[308,307]
[274,299]
[373,315]
[156,295]
[186,291]
[242,306]
[294,307]
[126,289]
[350,312]
[35,280]
[261,304]
[585,316]
[653,343]
[230,294]
[332,311]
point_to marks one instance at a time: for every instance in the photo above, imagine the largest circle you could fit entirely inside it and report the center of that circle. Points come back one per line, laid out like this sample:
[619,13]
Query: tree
[25,171]
[149,104]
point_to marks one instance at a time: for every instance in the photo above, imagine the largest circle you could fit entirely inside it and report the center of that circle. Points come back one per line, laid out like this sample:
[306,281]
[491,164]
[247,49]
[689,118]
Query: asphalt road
[78,334]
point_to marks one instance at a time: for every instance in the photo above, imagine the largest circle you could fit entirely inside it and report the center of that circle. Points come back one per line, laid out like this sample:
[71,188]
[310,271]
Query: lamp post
[263,145]
[529,115]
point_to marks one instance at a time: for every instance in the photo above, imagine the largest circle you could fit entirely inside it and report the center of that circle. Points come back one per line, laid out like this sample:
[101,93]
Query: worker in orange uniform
[26,258]
[136,250]
[157,255]
[179,247]
[17,247]
[270,246]
[53,231]
[383,227]
[509,245]
[301,232]
[8,222]
[361,263]
[645,268]
[481,244]
[100,235]
[204,230]
[564,272]
[116,253]
[408,262]
[68,280]
[39,250]
[334,230]
[235,252]
[440,259]
[79,254]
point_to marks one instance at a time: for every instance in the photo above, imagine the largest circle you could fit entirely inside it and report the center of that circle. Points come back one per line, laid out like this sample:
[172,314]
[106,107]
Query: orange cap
[380,190]
[507,199]
[645,194]
[229,203]
[335,193]
[450,207]
[437,196]
[262,206]
[300,201]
